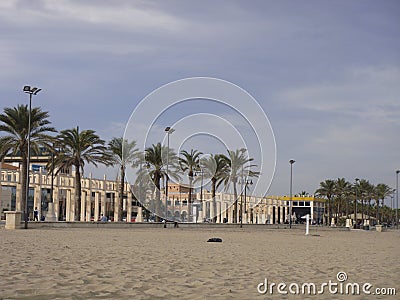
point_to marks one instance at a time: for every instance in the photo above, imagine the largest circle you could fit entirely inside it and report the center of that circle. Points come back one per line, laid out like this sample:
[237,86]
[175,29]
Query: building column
[129,207]
[70,205]
[312,211]
[116,206]
[230,214]
[88,206]
[83,206]
[219,212]
[204,209]
[139,217]
[103,203]
[212,212]
[96,206]
[37,201]
[18,197]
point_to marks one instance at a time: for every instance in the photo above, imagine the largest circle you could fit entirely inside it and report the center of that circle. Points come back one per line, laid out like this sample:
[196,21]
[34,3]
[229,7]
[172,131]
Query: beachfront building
[100,197]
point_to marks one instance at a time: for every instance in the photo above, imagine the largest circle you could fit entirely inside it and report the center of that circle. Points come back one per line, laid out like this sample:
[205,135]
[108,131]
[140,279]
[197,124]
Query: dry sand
[179,263]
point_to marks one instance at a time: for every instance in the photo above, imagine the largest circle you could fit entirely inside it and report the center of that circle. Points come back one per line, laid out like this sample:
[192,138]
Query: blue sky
[326,73]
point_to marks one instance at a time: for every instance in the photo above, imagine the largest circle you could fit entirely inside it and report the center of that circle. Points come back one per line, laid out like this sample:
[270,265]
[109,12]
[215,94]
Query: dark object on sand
[214,240]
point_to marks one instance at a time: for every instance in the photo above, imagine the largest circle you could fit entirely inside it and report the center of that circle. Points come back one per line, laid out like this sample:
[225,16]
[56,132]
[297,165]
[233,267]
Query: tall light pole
[291,162]
[355,204]
[392,206]
[31,91]
[169,131]
[397,198]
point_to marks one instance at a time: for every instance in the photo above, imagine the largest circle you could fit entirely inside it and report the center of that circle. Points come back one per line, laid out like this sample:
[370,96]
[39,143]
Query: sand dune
[179,263]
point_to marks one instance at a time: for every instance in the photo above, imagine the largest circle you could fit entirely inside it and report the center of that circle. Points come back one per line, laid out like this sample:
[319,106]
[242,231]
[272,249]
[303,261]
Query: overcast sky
[326,73]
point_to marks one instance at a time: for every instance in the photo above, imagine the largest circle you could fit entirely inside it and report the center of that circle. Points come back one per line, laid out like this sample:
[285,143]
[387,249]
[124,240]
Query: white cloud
[371,92]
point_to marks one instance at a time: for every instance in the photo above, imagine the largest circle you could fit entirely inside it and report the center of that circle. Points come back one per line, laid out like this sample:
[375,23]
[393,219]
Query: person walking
[36,214]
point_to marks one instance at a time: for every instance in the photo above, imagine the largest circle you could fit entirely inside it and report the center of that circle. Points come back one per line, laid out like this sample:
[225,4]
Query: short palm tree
[189,162]
[156,157]
[327,189]
[14,122]
[123,153]
[78,148]
[239,165]
[215,168]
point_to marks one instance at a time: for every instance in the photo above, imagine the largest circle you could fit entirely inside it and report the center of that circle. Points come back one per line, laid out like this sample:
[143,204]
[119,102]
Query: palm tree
[155,157]
[302,194]
[123,153]
[239,165]
[78,148]
[142,184]
[189,162]
[342,188]
[383,191]
[14,122]
[215,168]
[365,189]
[327,189]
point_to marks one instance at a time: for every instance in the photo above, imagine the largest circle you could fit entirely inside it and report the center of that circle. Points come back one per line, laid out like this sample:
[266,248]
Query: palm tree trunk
[369,211]
[329,211]
[190,199]
[78,194]
[213,184]
[121,194]
[157,179]
[236,202]
[337,211]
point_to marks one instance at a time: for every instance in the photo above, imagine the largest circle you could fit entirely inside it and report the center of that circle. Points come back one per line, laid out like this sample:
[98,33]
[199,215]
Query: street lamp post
[355,205]
[31,91]
[397,198]
[291,198]
[169,131]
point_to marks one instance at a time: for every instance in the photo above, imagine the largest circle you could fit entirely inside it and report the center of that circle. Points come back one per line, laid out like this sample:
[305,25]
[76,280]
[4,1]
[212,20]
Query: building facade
[100,197]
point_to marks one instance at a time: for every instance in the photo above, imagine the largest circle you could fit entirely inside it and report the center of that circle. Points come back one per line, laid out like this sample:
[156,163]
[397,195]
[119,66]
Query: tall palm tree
[215,167]
[189,162]
[78,148]
[239,164]
[342,188]
[14,122]
[123,153]
[155,157]
[327,189]
[383,191]
[365,189]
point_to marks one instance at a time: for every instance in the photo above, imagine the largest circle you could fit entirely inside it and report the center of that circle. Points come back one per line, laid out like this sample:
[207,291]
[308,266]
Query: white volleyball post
[307,217]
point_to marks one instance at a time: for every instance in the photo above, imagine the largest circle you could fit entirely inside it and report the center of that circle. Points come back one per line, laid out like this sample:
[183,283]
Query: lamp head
[292,161]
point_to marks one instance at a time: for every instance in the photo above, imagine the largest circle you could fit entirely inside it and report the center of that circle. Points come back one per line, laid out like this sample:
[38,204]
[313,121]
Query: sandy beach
[178,263]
